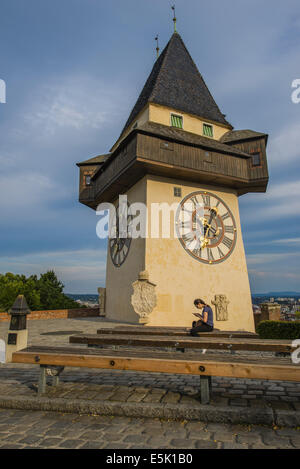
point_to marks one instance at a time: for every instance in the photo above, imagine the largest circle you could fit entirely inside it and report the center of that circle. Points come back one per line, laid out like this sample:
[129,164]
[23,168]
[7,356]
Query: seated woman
[206,322]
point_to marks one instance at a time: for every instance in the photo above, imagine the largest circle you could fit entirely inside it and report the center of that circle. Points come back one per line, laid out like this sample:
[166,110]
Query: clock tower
[178,150]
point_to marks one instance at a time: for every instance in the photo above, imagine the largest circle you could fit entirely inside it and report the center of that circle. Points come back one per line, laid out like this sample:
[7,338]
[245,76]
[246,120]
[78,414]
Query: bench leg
[205,388]
[42,380]
[55,380]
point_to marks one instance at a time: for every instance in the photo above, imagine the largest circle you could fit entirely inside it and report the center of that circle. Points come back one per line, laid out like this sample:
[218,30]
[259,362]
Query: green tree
[297,314]
[43,293]
[13,285]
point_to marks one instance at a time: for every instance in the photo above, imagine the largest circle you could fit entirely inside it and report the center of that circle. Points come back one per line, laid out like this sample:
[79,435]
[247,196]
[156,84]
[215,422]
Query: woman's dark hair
[199,301]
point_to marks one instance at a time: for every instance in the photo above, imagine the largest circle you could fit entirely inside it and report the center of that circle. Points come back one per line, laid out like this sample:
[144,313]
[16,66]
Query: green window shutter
[176,121]
[207,130]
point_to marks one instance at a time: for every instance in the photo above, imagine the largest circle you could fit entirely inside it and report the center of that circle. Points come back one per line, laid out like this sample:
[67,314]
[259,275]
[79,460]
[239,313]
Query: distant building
[256,309]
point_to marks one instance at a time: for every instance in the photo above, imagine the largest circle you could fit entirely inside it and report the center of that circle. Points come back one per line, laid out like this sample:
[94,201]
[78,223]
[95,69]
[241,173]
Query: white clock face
[209,234]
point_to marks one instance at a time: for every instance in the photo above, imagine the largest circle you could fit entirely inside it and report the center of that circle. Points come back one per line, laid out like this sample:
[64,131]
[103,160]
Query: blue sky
[73,70]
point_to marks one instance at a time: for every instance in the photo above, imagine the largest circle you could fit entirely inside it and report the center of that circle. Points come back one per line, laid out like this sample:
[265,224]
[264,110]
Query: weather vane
[157,46]
[174,19]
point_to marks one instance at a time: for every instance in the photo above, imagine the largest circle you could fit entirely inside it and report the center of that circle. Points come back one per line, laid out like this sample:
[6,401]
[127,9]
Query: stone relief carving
[101,299]
[144,298]
[221,303]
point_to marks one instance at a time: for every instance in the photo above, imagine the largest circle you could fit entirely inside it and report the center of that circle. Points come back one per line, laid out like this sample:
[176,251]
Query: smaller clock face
[206,227]
[119,245]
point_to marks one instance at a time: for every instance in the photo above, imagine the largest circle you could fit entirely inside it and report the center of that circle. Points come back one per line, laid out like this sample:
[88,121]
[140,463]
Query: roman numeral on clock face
[228,242]
[210,256]
[229,229]
[206,200]
[185,224]
[225,216]
[195,201]
[221,254]
[188,237]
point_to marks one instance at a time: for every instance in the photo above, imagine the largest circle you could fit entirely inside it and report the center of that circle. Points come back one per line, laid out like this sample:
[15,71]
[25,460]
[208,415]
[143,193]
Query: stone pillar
[18,332]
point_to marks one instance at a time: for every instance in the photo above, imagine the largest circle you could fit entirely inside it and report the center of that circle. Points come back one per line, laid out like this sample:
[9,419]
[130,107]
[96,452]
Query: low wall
[58,314]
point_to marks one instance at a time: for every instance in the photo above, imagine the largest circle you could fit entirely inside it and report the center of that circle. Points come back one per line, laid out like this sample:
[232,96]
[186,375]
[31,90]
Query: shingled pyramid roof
[176,82]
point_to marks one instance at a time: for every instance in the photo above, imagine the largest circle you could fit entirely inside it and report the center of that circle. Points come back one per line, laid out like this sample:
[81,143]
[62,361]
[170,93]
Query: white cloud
[27,190]
[285,147]
[77,103]
[275,275]
[289,241]
[281,201]
[267,258]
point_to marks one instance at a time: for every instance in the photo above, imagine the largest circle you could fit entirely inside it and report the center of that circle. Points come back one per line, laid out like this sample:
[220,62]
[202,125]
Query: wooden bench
[182,343]
[203,365]
[158,353]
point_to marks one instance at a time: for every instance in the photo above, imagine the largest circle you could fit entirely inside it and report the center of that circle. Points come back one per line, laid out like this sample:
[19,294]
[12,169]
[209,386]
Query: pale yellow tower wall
[180,278]
[191,123]
[119,279]
[162,115]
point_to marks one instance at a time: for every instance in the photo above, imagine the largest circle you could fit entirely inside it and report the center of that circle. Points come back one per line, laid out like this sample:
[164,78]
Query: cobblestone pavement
[20,430]
[41,429]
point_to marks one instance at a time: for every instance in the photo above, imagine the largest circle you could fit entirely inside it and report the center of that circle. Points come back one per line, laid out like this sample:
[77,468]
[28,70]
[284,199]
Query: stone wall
[57,314]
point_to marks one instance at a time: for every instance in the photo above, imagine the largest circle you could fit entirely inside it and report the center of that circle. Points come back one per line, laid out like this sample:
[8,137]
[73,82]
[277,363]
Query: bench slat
[200,342]
[204,366]
[172,331]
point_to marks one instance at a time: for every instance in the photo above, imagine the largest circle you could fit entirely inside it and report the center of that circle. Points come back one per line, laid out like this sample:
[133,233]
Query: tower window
[256,160]
[208,130]
[177,191]
[176,121]
[87,180]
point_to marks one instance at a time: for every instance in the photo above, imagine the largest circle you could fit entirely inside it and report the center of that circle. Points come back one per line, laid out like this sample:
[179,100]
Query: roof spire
[174,19]
[157,46]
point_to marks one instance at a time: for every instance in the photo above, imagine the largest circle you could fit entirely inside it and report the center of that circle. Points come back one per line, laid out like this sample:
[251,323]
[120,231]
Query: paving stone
[235,446]
[50,442]
[288,432]
[183,443]
[204,444]
[295,442]
[119,446]
[238,402]
[135,439]
[224,436]
[277,441]
[155,396]
[91,435]
[171,398]
[249,438]
[31,440]
[194,427]
[11,446]
[71,444]
[93,445]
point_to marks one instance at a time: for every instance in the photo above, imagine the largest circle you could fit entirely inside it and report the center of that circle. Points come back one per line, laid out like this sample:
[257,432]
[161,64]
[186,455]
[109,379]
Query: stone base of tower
[180,278]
